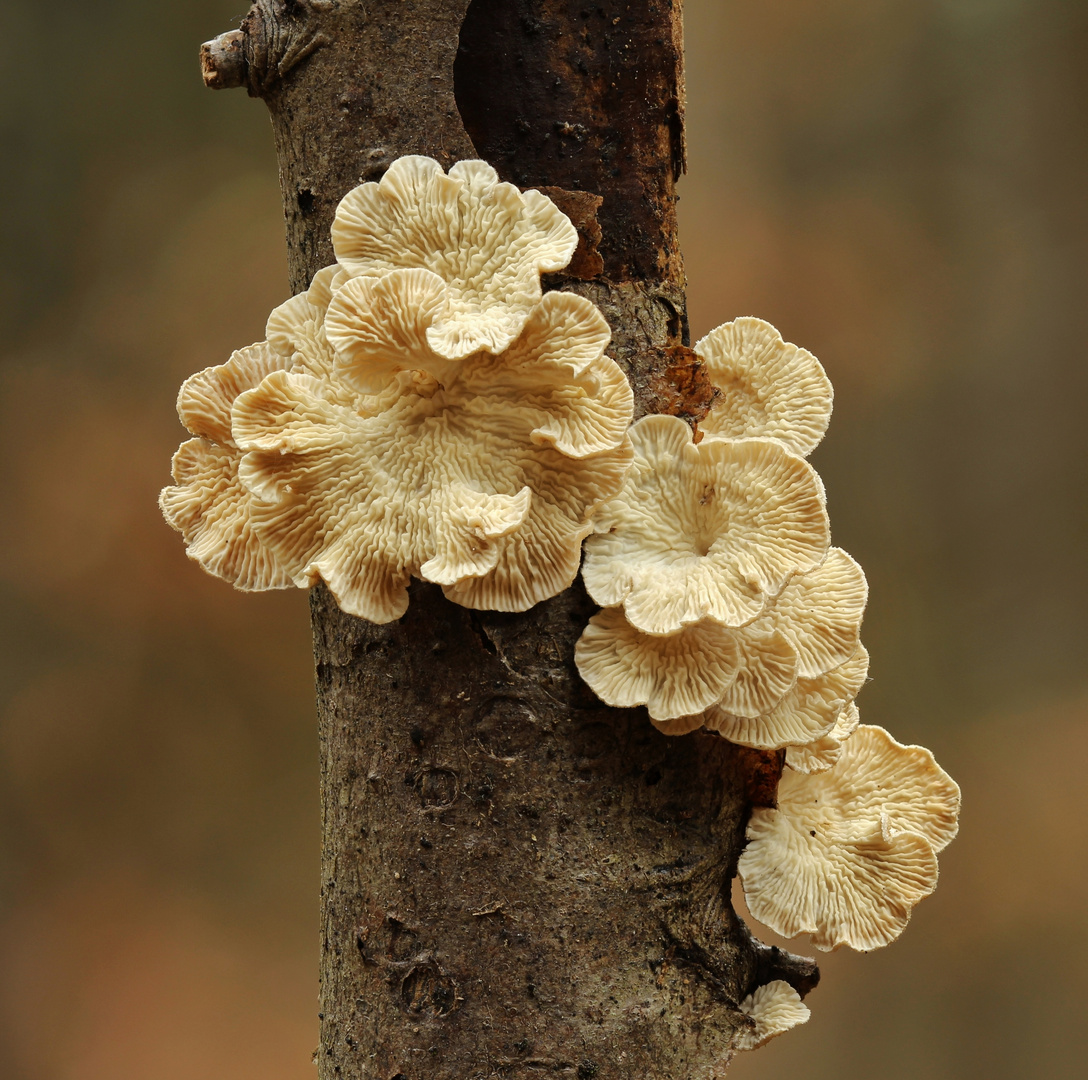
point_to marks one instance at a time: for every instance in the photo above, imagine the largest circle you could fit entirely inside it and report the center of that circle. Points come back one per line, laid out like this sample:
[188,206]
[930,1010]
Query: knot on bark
[275,36]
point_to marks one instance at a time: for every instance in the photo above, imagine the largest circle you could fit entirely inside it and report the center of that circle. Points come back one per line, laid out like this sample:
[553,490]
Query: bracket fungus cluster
[421,410]
[725,608]
[425,409]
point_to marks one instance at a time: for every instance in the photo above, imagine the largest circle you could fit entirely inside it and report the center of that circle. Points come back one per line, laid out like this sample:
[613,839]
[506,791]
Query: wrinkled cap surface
[849,851]
[822,753]
[208,504]
[783,679]
[484,484]
[768,387]
[773,1008]
[486,240]
[704,531]
[805,713]
[820,613]
[677,675]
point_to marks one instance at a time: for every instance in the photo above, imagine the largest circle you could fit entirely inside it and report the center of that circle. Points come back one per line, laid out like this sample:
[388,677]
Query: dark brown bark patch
[584,96]
[581,207]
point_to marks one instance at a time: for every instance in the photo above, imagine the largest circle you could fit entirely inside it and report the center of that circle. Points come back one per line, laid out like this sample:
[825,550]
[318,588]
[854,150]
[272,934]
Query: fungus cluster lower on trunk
[425,410]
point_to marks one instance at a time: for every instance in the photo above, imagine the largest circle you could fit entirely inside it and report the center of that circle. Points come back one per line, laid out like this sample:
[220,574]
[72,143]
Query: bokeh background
[899,185]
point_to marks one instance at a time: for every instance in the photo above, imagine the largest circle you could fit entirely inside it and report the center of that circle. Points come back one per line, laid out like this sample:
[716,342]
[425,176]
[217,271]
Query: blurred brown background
[898,185]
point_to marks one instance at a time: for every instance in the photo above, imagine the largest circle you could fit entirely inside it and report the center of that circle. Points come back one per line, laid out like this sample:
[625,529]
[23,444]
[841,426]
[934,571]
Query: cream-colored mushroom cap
[773,1008]
[486,485]
[208,505]
[808,630]
[296,328]
[822,753]
[782,679]
[849,851]
[704,531]
[809,711]
[486,240]
[675,676]
[768,387]
[819,612]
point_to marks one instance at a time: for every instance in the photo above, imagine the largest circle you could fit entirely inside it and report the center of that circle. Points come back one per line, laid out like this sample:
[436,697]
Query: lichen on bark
[516,879]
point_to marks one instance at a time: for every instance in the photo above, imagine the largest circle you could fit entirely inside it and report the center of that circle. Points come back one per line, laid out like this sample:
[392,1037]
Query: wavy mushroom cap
[820,613]
[486,485]
[780,680]
[487,241]
[704,531]
[849,851]
[297,327]
[820,754]
[768,388]
[772,1009]
[806,713]
[675,676]
[806,632]
[208,504]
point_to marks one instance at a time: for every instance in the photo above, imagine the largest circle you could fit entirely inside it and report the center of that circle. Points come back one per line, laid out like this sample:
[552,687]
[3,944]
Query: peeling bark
[516,879]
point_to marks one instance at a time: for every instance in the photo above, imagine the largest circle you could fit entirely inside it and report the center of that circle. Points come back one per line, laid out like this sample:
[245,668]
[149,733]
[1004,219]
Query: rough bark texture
[517,881]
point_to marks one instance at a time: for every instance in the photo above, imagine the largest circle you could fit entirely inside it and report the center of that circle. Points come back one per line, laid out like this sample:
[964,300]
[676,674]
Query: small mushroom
[297,327]
[820,613]
[708,530]
[768,388]
[481,474]
[488,241]
[772,1009]
[809,629]
[849,851]
[782,679]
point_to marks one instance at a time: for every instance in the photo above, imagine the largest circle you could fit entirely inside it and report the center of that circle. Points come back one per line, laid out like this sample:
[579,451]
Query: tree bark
[516,879]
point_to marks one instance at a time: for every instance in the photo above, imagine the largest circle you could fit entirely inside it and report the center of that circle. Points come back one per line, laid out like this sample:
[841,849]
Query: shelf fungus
[420,410]
[485,483]
[767,388]
[488,242]
[423,409]
[850,850]
[771,1009]
[708,530]
[210,505]
[781,680]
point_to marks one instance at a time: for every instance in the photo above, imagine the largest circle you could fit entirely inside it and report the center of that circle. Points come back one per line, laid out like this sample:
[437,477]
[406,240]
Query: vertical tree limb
[516,879]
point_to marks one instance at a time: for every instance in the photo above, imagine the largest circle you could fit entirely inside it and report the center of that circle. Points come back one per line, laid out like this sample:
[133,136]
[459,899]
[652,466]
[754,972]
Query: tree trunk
[516,879]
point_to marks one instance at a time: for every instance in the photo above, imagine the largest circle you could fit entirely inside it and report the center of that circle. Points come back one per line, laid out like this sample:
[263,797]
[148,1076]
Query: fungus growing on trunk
[374,437]
[423,409]
[767,387]
[773,1008]
[850,850]
[485,482]
[487,240]
[707,530]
